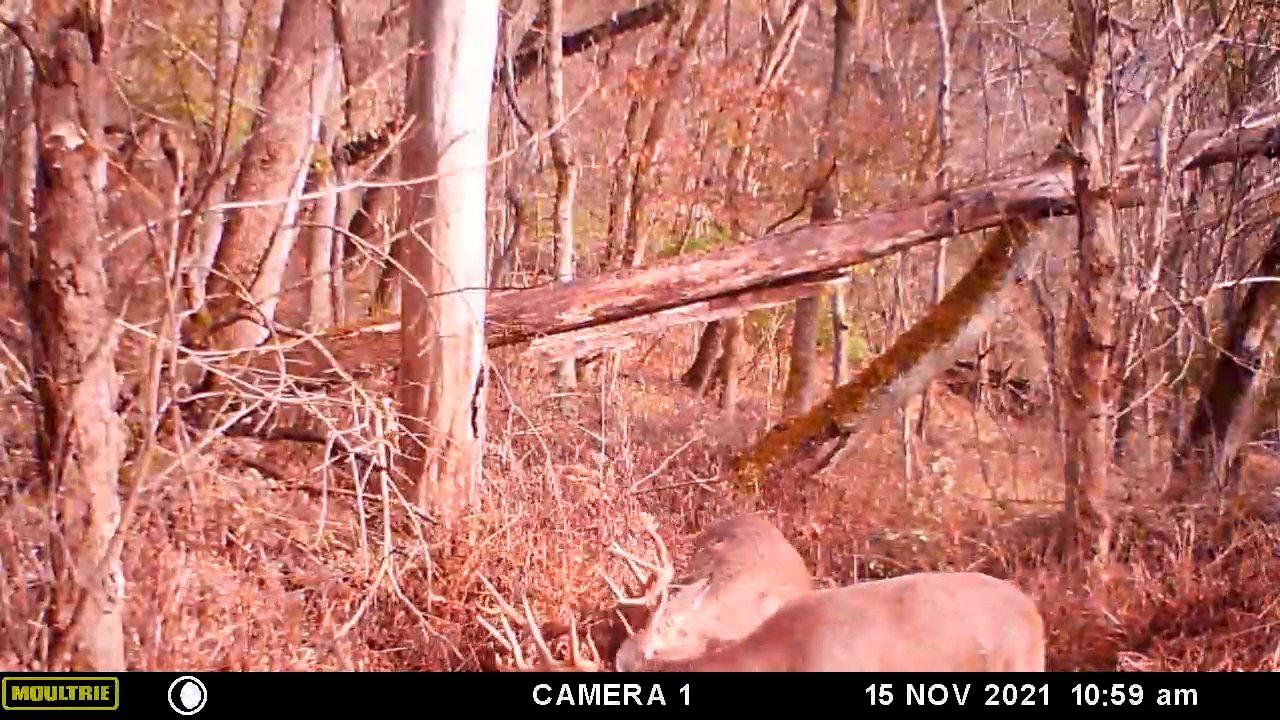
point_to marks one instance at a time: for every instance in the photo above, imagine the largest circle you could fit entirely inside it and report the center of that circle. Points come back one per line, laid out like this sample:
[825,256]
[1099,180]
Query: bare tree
[566,169]
[215,149]
[244,287]
[675,67]
[942,177]
[1093,307]
[443,367]
[322,216]
[82,439]
[18,176]
[722,337]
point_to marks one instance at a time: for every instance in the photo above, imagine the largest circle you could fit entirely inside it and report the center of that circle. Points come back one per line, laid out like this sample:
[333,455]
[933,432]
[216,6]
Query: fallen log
[563,319]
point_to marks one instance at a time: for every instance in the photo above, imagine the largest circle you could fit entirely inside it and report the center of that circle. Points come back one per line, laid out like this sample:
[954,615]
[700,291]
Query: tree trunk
[801,445]
[374,221]
[82,439]
[566,168]
[942,180]
[19,172]
[346,205]
[208,236]
[710,342]
[442,370]
[727,368]
[676,68]
[1224,413]
[1090,406]
[624,173]
[318,239]
[802,376]
[249,267]
[839,336]
[520,222]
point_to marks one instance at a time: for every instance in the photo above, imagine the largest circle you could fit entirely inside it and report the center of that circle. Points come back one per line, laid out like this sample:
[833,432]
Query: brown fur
[925,622]
[741,570]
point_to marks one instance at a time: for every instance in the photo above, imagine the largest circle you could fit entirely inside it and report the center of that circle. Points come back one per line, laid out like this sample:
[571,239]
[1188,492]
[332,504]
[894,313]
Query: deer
[740,571]
[921,622]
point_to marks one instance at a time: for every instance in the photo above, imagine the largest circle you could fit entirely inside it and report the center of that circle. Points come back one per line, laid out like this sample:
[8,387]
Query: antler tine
[574,658]
[509,642]
[633,563]
[540,642]
[507,614]
[503,605]
[547,661]
[596,660]
[575,650]
[657,582]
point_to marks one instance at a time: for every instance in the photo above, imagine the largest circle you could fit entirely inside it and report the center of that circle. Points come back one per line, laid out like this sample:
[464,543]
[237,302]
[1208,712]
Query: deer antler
[656,583]
[547,662]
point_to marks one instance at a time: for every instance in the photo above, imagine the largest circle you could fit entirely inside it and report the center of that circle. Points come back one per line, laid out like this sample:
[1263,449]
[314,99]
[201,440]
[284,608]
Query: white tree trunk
[566,168]
[319,242]
[442,370]
[209,235]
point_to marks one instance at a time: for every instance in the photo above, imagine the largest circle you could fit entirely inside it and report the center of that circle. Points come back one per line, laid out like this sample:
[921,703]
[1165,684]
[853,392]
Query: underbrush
[250,558]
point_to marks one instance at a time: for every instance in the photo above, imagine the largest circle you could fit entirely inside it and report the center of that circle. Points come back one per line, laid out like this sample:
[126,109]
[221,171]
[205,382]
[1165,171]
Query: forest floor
[259,554]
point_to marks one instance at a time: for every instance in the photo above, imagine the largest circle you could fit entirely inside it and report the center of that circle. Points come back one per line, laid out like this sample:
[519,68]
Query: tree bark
[942,180]
[1224,412]
[82,438]
[19,172]
[727,368]
[802,376]
[839,335]
[208,236]
[374,221]
[249,266]
[520,221]
[566,168]
[710,342]
[1092,312]
[319,241]
[442,370]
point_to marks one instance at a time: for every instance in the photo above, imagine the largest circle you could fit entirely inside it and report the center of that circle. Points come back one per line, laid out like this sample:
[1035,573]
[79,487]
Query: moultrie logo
[60,693]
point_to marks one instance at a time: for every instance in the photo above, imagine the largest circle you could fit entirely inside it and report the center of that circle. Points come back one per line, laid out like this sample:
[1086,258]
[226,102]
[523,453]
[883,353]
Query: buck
[922,622]
[741,570]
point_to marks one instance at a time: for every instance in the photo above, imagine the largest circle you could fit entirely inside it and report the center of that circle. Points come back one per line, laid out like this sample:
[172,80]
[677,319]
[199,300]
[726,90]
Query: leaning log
[555,320]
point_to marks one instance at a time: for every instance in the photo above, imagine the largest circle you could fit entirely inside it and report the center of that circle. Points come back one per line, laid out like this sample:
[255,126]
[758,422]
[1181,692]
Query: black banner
[365,696]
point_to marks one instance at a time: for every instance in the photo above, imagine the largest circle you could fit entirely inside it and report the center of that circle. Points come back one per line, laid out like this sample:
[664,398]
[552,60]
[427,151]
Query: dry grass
[252,557]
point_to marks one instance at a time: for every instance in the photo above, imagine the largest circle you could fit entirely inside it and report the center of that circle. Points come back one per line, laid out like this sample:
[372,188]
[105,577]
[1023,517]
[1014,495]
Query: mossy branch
[918,355]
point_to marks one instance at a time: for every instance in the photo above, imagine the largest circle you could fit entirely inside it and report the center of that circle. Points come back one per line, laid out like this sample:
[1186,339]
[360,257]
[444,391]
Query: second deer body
[748,603]
[935,621]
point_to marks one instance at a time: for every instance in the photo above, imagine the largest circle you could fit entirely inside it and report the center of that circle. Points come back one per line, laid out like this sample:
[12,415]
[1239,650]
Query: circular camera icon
[187,695]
